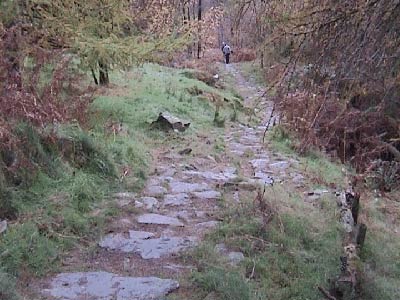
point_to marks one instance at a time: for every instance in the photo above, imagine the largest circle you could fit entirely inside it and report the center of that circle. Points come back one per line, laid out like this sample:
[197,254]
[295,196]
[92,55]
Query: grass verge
[284,259]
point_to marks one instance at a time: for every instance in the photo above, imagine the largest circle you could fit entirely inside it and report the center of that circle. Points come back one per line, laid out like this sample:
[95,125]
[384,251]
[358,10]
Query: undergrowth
[322,170]
[285,259]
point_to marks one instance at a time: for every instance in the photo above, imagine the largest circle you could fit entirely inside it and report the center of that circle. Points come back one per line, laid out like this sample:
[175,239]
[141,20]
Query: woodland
[331,69]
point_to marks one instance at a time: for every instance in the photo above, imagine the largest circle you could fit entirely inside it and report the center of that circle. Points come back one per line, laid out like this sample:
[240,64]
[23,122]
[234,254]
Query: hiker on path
[226,50]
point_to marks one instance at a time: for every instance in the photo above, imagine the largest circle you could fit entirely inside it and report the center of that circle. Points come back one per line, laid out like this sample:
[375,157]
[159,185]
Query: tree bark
[199,11]
[94,77]
[103,74]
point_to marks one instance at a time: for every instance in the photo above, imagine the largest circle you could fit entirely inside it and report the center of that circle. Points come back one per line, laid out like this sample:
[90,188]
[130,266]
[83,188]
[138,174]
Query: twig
[253,270]
[269,122]
[326,293]
[392,149]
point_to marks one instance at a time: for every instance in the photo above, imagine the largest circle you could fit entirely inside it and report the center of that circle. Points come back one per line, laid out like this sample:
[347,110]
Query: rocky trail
[140,257]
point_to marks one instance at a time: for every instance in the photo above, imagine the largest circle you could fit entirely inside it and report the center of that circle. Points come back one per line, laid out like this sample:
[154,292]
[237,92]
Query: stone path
[177,207]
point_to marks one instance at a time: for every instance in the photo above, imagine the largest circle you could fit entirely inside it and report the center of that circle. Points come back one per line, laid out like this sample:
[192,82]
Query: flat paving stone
[211,176]
[176,199]
[264,178]
[159,220]
[141,235]
[155,191]
[259,164]
[178,187]
[146,245]
[108,286]
[207,195]
[280,165]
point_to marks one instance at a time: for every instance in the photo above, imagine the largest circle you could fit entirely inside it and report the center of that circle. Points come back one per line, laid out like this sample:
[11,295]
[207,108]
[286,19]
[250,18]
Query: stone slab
[178,187]
[144,244]
[207,195]
[108,286]
[155,191]
[159,220]
[176,199]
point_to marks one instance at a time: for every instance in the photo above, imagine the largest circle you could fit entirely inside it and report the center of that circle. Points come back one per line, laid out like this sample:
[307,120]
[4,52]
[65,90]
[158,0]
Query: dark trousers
[227,58]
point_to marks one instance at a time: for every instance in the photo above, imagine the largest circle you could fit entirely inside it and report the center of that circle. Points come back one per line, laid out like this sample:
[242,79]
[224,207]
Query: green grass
[252,71]
[380,254]
[7,287]
[25,248]
[145,92]
[285,259]
[228,285]
[321,170]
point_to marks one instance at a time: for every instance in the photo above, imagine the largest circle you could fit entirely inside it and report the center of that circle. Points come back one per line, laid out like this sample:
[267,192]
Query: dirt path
[139,258]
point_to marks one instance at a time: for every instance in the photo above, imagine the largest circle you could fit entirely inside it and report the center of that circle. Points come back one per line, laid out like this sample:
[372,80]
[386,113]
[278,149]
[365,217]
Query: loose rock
[3,226]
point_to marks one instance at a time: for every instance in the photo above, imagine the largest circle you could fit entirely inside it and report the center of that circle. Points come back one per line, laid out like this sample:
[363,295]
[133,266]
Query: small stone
[220,248]
[346,218]
[155,191]
[159,220]
[123,202]
[201,214]
[235,258]
[126,195]
[138,204]
[3,226]
[149,202]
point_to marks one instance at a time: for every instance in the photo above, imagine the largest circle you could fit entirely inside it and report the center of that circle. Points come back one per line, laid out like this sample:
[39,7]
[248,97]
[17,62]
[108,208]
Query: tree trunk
[103,74]
[262,60]
[94,77]
[188,18]
[199,11]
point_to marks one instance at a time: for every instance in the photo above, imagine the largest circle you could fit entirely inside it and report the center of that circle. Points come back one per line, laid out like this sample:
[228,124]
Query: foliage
[105,35]
[338,71]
